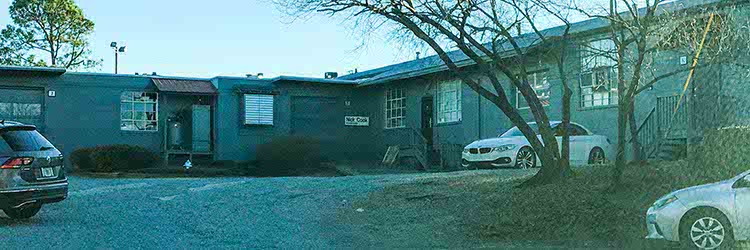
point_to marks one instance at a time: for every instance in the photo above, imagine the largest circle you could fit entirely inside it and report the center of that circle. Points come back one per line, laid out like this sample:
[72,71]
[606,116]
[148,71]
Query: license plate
[48,172]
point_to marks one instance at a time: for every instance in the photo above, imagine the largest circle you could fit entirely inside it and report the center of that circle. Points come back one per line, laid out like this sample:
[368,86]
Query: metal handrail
[643,124]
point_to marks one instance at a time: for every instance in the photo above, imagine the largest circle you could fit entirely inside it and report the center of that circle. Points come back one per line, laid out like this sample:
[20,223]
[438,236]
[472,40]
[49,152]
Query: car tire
[596,156]
[695,224]
[23,212]
[525,158]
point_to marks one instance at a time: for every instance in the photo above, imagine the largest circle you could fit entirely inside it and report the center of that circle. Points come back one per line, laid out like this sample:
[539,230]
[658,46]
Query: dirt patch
[430,211]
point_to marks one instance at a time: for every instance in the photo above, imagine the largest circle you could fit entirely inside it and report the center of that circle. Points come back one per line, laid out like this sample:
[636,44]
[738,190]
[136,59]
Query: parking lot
[208,212]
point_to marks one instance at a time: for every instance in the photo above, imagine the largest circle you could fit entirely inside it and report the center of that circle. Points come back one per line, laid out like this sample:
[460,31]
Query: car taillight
[17,162]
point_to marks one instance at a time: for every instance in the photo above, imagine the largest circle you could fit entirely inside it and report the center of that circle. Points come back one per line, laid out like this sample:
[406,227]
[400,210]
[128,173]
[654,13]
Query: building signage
[360,121]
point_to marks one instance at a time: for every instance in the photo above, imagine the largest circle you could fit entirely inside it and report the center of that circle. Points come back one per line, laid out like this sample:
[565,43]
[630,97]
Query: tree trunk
[635,143]
[565,154]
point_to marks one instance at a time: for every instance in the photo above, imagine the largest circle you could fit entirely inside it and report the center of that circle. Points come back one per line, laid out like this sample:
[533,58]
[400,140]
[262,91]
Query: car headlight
[664,201]
[466,150]
[504,148]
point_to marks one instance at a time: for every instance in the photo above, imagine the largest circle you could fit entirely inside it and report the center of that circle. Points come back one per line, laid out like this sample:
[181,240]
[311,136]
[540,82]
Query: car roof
[13,124]
[554,123]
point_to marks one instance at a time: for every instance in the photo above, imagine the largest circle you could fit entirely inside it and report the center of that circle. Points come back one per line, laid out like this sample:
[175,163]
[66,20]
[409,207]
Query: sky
[225,38]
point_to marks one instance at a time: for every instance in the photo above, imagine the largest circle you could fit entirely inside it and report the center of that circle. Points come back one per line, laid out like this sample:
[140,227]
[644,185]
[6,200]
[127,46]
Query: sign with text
[360,121]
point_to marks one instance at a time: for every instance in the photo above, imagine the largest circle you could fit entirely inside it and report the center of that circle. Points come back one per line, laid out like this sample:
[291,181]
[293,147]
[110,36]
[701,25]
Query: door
[23,105]
[742,206]
[318,118]
[427,119]
[201,128]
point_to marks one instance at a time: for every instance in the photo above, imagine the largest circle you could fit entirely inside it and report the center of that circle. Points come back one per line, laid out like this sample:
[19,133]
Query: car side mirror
[742,183]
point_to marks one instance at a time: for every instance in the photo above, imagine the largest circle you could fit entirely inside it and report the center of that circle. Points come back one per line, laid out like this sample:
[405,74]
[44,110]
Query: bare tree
[640,35]
[483,32]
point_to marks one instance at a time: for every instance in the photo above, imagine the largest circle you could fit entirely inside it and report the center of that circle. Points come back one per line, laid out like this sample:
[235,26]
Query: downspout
[479,116]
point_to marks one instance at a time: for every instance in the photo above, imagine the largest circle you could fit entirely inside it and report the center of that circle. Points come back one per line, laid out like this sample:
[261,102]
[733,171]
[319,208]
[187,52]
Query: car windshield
[26,140]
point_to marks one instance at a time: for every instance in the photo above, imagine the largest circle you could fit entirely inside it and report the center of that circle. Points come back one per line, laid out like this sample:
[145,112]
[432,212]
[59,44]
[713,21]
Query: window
[541,86]
[598,77]
[139,111]
[258,109]
[573,130]
[449,101]
[395,108]
[25,140]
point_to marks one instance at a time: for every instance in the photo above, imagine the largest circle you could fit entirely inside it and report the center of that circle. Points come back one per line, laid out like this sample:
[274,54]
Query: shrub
[725,150]
[81,159]
[289,156]
[113,158]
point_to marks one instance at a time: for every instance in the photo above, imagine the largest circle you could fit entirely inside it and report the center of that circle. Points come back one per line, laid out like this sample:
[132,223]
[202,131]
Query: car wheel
[706,229]
[467,165]
[525,158]
[23,212]
[597,156]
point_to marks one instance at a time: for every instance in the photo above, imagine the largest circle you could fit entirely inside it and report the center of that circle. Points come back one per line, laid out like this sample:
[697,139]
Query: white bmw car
[511,149]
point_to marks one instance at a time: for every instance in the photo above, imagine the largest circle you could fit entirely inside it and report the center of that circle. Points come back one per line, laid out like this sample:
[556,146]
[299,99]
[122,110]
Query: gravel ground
[426,210]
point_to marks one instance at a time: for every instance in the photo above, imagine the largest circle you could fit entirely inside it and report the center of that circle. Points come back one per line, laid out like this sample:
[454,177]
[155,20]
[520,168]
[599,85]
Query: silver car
[710,216]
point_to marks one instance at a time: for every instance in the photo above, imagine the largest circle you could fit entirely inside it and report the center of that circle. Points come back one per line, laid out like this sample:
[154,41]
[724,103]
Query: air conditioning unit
[331,75]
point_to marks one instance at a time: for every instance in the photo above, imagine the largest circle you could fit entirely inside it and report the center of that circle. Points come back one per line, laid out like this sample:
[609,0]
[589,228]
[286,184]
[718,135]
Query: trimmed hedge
[113,158]
[289,156]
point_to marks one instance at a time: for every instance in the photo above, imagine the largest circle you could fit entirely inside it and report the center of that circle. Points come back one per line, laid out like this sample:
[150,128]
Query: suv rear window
[26,140]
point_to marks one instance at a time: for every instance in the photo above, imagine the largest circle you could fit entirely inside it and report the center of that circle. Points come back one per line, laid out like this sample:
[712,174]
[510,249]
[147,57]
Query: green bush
[114,158]
[726,150]
[289,156]
[81,159]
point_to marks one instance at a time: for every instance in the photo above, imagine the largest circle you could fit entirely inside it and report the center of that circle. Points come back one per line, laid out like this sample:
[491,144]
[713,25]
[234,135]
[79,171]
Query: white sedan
[511,149]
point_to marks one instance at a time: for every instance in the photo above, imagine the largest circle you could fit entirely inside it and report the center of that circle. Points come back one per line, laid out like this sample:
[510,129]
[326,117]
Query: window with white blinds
[258,109]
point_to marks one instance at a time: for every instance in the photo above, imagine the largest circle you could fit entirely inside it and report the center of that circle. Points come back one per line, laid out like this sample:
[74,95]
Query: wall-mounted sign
[51,93]
[360,121]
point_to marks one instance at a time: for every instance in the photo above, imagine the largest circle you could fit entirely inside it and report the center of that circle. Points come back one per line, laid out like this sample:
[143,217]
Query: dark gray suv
[32,172]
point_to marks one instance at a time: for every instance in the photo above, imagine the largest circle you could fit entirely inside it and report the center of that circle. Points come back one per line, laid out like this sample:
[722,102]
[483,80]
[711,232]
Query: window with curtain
[541,86]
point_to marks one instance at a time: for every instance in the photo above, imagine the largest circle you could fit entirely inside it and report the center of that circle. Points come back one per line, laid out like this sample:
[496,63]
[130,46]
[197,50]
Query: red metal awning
[198,87]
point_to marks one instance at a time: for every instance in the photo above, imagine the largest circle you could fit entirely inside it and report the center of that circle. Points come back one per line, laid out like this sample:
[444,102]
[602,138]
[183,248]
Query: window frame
[133,111]
[519,96]
[394,95]
[443,89]
[593,65]
[259,109]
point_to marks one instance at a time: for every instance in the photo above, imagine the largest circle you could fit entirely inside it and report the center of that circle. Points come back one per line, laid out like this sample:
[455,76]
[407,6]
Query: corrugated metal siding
[258,109]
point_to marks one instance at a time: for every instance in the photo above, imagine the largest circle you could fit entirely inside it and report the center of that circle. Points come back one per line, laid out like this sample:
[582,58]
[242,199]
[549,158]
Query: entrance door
[427,113]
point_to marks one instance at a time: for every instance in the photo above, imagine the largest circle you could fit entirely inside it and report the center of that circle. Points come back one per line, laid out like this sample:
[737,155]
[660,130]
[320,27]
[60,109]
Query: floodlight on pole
[117,50]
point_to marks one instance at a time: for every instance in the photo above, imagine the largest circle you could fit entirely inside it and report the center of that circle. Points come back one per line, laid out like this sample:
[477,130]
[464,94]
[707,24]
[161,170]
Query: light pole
[118,50]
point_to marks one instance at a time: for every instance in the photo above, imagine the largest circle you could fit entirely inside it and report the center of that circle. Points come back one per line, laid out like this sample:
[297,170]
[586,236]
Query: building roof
[315,80]
[30,71]
[433,64]
[185,86]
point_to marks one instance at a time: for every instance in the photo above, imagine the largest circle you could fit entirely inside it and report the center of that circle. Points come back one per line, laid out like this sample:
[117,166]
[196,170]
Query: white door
[742,207]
